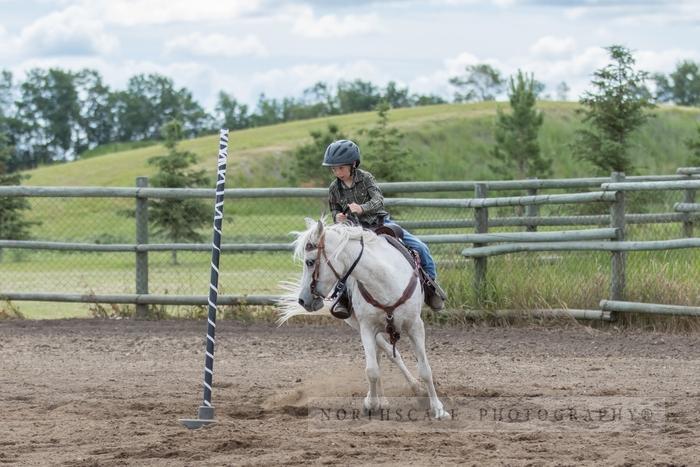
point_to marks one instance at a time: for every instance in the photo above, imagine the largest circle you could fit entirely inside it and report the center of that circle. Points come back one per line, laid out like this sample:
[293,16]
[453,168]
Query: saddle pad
[401,247]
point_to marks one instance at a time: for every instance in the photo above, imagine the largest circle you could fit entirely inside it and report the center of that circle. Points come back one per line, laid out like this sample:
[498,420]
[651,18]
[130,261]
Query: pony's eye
[310,262]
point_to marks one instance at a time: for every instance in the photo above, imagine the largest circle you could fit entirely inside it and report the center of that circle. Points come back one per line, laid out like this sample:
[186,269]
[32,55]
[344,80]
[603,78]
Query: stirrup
[432,285]
[340,308]
[435,296]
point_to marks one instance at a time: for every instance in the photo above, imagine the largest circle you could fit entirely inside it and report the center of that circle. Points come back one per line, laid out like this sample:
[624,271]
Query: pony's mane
[345,232]
[288,304]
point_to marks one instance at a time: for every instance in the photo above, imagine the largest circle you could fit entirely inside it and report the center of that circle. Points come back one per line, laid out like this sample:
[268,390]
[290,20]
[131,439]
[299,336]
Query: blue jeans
[426,260]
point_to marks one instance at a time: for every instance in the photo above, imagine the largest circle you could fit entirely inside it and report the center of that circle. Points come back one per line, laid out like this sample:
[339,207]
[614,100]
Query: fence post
[688,197]
[532,210]
[481,225]
[617,220]
[141,256]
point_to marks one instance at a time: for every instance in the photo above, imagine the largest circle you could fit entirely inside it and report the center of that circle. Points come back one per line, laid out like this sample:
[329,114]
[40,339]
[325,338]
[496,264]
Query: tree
[97,116]
[517,151]
[694,146]
[149,102]
[321,98]
[383,154]
[307,158]
[357,96]
[230,113]
[396,97]
[662,91]
[269,112]
[481,82]
[13,226]
[6,94]
[49,110]
[682,86]
[427,99]
[177,220]
[612,111]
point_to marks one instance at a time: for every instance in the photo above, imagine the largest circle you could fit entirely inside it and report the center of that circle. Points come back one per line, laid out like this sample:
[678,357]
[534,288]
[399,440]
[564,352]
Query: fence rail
[613,190]
[650,245]
[653,308]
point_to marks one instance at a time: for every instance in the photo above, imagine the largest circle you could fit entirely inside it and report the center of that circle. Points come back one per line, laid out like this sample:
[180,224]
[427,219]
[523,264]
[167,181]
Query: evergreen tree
[612,112]
[13,226]
[517,152]
[694,146]
[383,154]
[307,158]
[178,220]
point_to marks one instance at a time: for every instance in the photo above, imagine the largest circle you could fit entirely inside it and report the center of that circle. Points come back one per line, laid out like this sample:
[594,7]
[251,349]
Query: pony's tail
[288,305]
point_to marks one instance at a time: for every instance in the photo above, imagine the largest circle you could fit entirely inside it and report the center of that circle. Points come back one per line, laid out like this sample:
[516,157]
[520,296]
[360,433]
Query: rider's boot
[435,296]
[341,309]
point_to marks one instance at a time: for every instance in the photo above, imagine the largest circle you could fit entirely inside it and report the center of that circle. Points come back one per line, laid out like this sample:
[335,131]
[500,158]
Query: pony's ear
[319,228]
[309,222]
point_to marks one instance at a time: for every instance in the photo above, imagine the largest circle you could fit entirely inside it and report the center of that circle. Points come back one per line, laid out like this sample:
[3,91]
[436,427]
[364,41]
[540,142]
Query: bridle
[340,286]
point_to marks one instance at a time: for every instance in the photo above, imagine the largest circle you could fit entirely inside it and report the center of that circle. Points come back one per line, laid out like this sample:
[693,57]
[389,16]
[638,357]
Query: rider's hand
[356,208]
[340,217]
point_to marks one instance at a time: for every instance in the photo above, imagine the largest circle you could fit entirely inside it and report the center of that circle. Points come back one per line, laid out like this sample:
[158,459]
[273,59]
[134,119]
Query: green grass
[115,147]
[453,141]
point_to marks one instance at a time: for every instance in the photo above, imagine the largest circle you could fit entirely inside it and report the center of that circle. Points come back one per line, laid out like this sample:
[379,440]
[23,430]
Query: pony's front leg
[384,344]
[372,401]
[417,335]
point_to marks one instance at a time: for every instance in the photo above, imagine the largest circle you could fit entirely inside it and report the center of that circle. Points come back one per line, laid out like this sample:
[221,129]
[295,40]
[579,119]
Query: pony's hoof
[370,406]
[441,414]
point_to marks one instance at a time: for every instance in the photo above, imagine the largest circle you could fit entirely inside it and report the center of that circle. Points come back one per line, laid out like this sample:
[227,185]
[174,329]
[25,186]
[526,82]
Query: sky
[280,48]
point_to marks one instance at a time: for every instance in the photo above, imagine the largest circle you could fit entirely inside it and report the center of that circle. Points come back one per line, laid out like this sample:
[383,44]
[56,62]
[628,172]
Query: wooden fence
[612,238]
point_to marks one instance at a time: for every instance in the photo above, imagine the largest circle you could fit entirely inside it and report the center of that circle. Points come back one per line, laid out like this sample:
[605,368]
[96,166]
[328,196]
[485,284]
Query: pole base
[205,417]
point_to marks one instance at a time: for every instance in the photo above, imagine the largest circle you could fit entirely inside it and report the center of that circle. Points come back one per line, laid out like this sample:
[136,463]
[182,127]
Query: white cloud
[215,45]
[551,46]
[665,60]
[576,12]
[575,69]
[145,12]
[308,25]
[498,3]
[72,31]
[7,43]
[456,65]
[639,13]
[291,81]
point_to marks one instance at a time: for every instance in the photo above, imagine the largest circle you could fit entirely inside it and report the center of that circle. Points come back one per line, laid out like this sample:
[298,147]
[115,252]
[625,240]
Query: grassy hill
[454,140]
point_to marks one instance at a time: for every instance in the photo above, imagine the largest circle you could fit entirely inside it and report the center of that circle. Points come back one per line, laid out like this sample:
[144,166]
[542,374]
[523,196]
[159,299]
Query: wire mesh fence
[572,279]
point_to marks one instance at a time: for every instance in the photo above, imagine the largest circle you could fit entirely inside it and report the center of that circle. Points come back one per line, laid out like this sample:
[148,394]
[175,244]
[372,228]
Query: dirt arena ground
[109,392]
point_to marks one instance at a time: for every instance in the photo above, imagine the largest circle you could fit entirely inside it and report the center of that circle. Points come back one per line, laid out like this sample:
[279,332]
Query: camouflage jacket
[364,191]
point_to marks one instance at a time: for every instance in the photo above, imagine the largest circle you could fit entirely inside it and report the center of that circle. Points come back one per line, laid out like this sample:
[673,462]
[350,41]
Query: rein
[341,286]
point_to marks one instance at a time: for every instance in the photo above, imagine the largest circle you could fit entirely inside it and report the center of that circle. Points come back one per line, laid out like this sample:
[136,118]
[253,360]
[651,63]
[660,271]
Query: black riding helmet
[341,152]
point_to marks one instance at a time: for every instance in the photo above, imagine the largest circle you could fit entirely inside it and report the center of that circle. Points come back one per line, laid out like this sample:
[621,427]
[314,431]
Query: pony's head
[316,248]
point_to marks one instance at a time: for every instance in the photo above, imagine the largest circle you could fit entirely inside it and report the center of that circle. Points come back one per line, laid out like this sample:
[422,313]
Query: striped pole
[205,415]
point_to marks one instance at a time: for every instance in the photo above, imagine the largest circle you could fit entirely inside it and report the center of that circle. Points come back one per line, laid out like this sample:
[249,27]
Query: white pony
[388,279]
